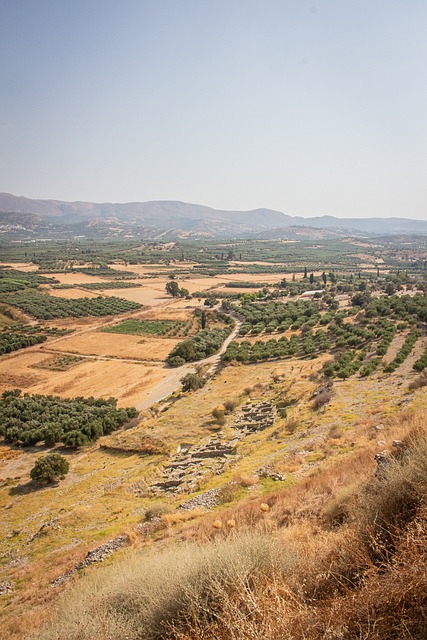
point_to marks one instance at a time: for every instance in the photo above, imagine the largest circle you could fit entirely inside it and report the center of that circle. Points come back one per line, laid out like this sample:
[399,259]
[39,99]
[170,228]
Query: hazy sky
[306,107]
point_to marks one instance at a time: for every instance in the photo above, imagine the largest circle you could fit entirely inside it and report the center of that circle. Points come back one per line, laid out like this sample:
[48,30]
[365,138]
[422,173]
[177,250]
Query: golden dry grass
[284,572]
[22,266]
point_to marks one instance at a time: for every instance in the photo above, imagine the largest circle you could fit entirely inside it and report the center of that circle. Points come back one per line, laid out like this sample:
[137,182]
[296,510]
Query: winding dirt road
[172,382]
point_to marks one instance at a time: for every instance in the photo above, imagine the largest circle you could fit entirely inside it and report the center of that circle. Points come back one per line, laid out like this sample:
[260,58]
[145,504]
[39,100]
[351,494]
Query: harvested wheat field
[117,345]
[234,290]
[170,313]
[126,381]
[22,266]
[143,269]
[147,296]
[254,277]
[75,278]
[72,294]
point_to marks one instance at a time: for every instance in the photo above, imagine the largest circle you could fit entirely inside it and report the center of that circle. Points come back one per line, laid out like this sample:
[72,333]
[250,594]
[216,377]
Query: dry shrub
[391,500]
[177,517]
[246,480]
[229,492]
[420,382]
[337,509]
[322,399]
[392,602]
[292,425]
[157,511]
[219,415]
[230,405]
[335,432]
[150,596]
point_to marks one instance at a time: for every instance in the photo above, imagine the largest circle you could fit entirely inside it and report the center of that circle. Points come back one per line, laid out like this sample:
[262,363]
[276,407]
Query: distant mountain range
[169,219]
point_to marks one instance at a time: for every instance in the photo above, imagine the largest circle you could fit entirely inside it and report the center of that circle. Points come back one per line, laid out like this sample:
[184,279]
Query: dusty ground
[146,295]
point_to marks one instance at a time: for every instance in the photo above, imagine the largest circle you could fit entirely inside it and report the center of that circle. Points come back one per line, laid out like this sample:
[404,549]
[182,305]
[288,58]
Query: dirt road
[172,382]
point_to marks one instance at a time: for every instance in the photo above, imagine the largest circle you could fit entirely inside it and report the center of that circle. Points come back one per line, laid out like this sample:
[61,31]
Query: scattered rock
[96,555]
[6,588]
[44,529]
[268,472]
[207,500]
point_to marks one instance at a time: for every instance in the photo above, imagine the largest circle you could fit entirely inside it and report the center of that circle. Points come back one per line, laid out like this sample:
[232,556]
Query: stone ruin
[255,417]
[186,469]
[183,474]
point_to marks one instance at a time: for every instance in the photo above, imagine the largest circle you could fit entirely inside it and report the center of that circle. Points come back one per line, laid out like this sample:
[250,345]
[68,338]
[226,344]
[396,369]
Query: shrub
[158,595]
[322,398]
[49,469]
[390,501]
[219,415]
[192,382]
[230,405]
[420,382]
[156,511]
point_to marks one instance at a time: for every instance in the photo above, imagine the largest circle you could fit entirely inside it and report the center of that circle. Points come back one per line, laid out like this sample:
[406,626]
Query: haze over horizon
[310,108]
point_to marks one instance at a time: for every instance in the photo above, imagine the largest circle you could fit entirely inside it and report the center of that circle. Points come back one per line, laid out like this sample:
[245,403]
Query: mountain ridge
[195,218]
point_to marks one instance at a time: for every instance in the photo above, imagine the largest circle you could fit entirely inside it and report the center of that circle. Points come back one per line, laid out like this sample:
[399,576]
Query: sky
[306,107]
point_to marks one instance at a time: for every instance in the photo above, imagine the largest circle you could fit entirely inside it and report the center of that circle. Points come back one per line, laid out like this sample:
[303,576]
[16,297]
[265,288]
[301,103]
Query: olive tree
[50,468]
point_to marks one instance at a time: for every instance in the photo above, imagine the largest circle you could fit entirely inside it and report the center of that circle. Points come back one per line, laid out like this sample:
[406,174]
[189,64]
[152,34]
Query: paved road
[172,382]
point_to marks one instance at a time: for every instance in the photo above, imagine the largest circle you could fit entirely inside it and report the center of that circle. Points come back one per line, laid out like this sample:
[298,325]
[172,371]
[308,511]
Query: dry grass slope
[341,555]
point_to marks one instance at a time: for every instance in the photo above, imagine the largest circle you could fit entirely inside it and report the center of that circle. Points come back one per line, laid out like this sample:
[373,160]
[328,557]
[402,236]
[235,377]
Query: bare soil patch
[169,313]
[18,380]
[256,277]
[394,347]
